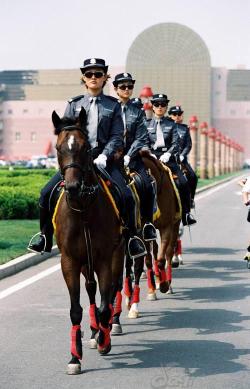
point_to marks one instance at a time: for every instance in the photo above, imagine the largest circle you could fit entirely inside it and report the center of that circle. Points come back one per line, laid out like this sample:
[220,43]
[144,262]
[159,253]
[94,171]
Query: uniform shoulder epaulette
[112,98]
[75,98]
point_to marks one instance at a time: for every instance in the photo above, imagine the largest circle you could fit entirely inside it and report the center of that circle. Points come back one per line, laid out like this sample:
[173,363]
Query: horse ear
[83,118]
[56,122]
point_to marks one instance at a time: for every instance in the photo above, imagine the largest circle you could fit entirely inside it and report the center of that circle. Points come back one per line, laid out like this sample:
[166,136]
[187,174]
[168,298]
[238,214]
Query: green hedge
[20,190]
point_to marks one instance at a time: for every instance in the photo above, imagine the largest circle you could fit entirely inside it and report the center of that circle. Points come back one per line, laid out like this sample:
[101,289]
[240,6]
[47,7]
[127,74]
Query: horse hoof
[116,329]
[133,314]
[170,290]
[92,343]
[104,350]
[127,302]
[143,275]
[164,287]
[151,296]
[74,368]
[157,285]
[180,259]
[175,262]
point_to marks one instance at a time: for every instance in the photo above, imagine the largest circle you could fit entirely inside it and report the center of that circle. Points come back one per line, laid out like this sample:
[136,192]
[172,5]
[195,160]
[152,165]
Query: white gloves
[181,158]
[126,160]
[165,157]
[101,161]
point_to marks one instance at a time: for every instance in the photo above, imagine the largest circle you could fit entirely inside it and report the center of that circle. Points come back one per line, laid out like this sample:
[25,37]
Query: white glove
[101,161]
[182,158]
[165,157]
[126,160]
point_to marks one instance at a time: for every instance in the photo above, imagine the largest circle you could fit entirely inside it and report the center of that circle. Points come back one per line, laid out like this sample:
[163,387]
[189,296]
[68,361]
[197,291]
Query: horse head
[73,152]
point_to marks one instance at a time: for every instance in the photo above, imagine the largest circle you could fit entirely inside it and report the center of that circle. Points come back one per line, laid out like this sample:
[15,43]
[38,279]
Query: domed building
[173,59]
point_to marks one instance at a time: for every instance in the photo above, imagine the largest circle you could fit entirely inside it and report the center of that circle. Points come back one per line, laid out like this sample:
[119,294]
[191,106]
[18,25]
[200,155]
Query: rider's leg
[183,187]
[45,241]
[192,181]
[136,246]
[147,202]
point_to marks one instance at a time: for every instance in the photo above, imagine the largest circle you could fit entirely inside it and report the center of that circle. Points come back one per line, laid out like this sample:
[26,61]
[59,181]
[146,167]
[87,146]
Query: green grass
[14,237]
[209,181]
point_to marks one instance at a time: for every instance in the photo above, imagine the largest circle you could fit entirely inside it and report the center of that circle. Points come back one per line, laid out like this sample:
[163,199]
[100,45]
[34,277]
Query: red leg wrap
[92,316]
[104,336]
[111,313]
[118,303]
[76,342]
[169,273]
[156,268]
[150,277]
[127,287]
[178,247]
[162,275]
[136,295]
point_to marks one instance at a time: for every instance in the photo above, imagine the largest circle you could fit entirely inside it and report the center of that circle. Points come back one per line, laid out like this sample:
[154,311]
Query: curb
[21,263]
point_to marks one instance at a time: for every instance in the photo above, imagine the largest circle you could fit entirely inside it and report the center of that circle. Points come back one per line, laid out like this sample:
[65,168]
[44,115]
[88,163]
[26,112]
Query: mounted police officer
[176,114]
[164,143]
[105,132]
[135,139]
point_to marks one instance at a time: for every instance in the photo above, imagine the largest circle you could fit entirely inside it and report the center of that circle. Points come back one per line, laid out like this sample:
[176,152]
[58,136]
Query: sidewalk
[18,264]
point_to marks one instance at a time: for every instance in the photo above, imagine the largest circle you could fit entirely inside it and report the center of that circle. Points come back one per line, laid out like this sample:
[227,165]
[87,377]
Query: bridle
[86,191]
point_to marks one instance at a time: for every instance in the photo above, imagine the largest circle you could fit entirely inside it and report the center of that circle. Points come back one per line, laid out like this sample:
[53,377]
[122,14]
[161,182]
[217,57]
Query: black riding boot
[45,241]
[187,218]
[136,247]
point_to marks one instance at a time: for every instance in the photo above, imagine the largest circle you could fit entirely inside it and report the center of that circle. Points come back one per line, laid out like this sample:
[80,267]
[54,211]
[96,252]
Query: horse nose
[73,188]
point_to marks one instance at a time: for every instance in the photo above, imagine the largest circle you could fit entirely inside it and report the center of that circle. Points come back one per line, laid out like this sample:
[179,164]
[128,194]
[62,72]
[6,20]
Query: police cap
[94,63]
[159,97]
[176,109]
[123,77]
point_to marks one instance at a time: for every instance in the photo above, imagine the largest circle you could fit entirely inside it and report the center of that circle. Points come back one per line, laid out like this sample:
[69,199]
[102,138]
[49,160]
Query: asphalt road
[196,338]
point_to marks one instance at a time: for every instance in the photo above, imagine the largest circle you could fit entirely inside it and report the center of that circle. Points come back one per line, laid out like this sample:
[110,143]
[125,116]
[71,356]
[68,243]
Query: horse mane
[156,162]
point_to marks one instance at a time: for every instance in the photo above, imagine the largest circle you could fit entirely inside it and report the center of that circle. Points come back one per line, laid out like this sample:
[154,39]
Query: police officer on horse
[176,114]
[105,133]
[136,139]
[164,143]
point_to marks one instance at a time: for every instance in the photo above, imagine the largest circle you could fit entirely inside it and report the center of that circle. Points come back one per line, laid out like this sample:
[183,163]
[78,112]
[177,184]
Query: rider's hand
[126,160]
[165,157]
[101,161]
[182,158]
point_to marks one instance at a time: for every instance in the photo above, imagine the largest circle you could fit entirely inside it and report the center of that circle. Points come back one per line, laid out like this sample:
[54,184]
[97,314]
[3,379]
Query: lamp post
[211,142]
[145,95]
[217,154]
[203,149]
[193,126]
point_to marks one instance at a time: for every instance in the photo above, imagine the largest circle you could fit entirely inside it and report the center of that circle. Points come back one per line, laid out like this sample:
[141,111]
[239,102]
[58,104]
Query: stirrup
[45,242]
[149,240]
[137,255]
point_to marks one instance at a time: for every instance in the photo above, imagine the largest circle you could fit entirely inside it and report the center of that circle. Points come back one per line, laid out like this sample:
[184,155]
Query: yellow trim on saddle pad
[106,189]
[56,208]
[137,201]
[178,214]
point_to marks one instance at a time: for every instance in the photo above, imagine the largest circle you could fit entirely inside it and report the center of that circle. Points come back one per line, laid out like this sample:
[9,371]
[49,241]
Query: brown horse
[88,234]
[168,226]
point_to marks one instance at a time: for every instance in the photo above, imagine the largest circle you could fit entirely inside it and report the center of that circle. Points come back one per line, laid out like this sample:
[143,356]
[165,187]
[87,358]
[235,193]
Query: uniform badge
[125,74]
[92,61]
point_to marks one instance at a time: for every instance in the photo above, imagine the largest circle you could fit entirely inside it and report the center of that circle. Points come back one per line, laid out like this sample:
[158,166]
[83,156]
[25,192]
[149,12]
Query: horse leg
[156,269]
[117,303]
[71,272]
[138,269]
[169,255]
[93,312]
[151,296]
[128,288]
[105,311]
[161,261]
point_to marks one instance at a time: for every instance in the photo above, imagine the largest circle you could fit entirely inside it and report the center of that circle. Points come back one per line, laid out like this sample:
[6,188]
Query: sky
[60,34]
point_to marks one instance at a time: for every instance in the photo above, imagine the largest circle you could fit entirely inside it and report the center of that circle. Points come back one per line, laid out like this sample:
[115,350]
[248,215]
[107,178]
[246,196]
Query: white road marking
[45,273]
[71,141]
[29,281]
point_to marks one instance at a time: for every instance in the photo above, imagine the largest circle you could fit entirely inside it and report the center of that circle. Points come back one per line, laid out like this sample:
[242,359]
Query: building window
[18,136]
[25,110]
[10,111]
[33,137]
[219,76]
[232,112]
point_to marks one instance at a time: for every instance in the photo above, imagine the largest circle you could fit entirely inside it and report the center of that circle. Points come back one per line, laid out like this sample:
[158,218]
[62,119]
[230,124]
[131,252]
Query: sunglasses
[163,105]
[176,114]
[96,74]
[124,87]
